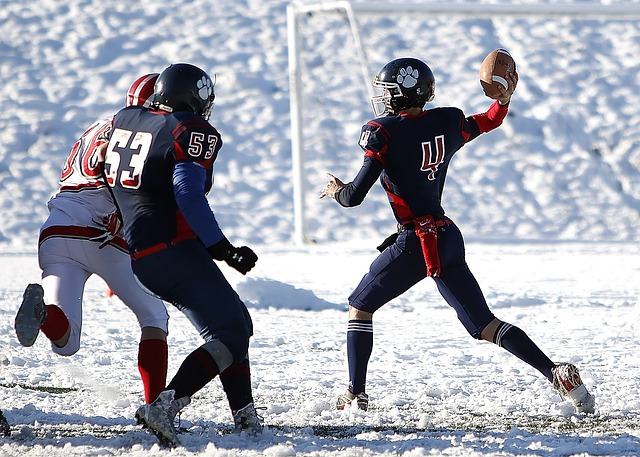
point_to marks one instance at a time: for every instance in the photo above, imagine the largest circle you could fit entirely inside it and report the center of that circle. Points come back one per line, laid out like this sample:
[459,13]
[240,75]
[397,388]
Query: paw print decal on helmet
[408,77]
[205,88]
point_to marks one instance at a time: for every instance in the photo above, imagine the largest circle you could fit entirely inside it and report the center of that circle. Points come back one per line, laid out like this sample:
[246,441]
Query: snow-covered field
[434,390]
[549,204]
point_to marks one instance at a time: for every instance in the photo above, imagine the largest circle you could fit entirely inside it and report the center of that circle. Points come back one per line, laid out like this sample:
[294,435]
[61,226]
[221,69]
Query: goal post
[353,10]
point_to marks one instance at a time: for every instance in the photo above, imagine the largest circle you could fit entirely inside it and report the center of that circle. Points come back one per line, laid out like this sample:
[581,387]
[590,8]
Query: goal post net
[335,49]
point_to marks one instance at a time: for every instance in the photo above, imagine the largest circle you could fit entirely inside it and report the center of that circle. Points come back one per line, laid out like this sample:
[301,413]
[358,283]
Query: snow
[549,205]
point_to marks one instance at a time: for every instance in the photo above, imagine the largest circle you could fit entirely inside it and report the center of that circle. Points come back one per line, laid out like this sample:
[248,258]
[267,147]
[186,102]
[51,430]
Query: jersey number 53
[135,145]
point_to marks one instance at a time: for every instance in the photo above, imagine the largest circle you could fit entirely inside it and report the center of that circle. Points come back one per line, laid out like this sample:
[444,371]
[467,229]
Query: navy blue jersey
[415,152]
[411,155]
[144,148]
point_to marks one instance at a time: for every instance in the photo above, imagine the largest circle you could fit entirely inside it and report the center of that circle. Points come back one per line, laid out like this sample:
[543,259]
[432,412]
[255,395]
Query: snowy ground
[436,392]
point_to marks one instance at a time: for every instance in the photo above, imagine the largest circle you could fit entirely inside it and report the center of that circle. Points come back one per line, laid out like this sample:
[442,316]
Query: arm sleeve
[353,193]
[485,122]
[189,190]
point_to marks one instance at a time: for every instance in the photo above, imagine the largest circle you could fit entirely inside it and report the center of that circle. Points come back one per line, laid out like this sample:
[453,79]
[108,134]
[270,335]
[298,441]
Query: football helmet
[405,83]
[141,90]
[184,87]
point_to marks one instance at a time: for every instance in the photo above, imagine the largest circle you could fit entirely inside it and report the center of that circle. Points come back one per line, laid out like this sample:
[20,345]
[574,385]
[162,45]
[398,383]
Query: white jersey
[83,199]
[73,244]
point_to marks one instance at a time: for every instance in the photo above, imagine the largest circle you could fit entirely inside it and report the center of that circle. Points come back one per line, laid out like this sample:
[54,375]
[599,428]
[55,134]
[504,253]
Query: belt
[412,226]
[137,255]
[79,233]
[150,250]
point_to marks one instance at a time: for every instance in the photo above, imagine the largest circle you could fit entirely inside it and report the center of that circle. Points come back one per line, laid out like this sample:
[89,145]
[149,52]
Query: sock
[519,344]
[152,365]
[236,382]
[56,324]
[359,347]
[195,372]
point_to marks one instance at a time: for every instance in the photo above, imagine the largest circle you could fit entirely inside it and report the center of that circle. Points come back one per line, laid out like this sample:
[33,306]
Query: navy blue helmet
[184,87]
[405,83]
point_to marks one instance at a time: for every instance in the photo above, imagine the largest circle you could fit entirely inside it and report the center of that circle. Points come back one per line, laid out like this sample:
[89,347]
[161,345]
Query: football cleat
[31,315]
[347,399]
[159,415]
[247,420]
[178,405]
[567,381]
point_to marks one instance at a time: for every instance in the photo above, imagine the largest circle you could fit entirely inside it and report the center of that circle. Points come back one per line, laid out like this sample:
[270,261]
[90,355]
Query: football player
[409,148]
[81,238]
[159,163]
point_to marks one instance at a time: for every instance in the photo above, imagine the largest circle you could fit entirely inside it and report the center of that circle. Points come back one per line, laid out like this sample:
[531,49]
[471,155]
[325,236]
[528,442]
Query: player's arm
[189,190]
[353,193]
[477,124]
[373,141]
[189,180]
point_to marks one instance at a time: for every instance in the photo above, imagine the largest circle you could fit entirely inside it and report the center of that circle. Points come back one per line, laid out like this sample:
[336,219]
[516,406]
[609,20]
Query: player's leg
[461,290]
[393,272]
[236,382]
[216,311]
[153,354]
[114,266]
[63,280]
[185,276]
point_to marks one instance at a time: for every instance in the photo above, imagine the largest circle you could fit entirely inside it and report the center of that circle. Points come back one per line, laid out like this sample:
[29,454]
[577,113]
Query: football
[493,70]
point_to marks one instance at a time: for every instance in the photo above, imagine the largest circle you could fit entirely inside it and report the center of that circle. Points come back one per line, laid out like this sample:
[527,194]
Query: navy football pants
[186,276]
[402,265]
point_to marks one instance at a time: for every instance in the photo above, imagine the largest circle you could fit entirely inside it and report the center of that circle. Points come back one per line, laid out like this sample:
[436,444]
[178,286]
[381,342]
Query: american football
[493,70]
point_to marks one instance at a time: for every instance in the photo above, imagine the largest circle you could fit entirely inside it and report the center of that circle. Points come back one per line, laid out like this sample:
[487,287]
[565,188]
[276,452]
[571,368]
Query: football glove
[242,259]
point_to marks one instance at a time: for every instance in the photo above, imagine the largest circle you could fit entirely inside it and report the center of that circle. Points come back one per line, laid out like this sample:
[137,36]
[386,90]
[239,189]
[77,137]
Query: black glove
[242,259]
[221,250]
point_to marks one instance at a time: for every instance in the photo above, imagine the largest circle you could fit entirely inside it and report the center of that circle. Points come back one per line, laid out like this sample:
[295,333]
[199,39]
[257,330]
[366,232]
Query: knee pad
[228,351]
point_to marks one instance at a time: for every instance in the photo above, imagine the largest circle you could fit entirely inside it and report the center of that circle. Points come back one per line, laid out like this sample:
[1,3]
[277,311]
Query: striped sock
[517,342]
[359,347]
[500,331]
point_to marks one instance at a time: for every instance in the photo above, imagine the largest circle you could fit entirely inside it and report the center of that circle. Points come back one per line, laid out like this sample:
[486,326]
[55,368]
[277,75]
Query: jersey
[83,199]
[415,152]
[143,150]
[411,155]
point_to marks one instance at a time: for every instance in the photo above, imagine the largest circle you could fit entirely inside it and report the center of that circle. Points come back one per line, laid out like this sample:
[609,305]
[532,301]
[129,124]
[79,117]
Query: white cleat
[158,417]
[247,420]
[567,381]
[350,400]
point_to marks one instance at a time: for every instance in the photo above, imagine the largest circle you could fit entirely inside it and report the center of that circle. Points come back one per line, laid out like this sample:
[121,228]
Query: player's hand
[112,225]
[242,259]
[512,79]
[332,187]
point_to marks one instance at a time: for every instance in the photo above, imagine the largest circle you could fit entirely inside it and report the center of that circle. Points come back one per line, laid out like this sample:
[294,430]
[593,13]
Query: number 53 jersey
[144,147]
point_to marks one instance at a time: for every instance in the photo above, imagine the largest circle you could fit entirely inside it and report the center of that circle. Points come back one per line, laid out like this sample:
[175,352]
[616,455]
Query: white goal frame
[595,11]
